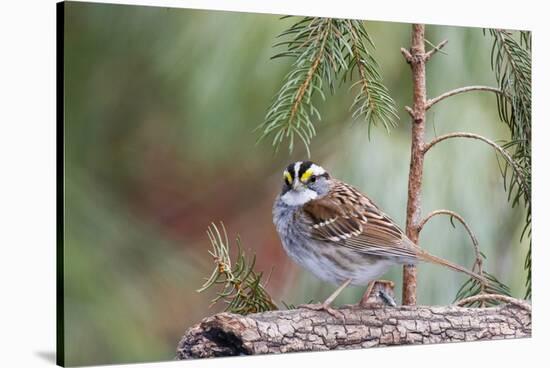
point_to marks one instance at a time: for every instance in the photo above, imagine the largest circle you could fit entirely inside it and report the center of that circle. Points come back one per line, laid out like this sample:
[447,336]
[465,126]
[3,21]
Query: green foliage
[372,101]
[475,287]
[511,62]
[325,50]
[241,289]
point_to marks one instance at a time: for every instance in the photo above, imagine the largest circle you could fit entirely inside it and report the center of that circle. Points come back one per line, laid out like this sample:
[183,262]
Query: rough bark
[416,57]
[295,330]
[370,323]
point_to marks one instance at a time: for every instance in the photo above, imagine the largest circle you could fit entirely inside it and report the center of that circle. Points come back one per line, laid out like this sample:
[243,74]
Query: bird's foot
[323,307]
[379,293]
[387,298]
[384,300]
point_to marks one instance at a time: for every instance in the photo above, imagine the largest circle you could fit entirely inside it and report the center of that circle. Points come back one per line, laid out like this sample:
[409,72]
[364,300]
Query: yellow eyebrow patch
[306,175]
[288,177]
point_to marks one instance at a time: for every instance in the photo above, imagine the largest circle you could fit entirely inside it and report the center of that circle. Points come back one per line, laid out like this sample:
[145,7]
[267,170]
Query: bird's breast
[328,261]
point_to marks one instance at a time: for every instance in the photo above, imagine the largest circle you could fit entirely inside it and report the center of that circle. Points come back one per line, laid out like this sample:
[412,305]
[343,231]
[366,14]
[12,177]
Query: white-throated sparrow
[337,233]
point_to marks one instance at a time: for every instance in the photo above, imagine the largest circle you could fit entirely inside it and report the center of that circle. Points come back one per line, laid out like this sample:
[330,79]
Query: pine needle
[511,62]
[241,286]
[324,51]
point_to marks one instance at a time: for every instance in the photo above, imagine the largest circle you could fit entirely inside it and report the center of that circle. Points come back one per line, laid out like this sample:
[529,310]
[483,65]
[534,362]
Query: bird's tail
[427,257]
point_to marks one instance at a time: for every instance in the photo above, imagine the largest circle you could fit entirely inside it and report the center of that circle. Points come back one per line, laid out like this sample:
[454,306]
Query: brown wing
[347,217]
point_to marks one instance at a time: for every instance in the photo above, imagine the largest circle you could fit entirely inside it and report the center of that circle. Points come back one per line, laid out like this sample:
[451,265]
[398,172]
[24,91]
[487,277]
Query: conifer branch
[324,51]
[373,101]
[241,287]
[292,110]
[511,62]
[474,287]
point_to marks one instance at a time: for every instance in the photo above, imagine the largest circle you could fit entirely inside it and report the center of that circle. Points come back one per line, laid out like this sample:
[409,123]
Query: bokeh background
[160,107]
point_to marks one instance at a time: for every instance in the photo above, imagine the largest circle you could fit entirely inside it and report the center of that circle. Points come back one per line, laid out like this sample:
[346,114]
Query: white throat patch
[298,198]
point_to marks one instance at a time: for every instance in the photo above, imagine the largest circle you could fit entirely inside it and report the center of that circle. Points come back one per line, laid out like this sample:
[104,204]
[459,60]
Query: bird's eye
[313,178]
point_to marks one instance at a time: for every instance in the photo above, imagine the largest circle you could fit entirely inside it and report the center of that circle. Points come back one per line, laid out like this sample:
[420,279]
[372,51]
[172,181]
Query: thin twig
[410,111]
[479,259]
[430,53]
[507,299]
[433,46]
[433,101]
[501,150]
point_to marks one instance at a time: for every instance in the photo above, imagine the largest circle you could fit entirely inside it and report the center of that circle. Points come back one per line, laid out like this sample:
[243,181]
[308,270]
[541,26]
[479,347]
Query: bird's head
[304,181]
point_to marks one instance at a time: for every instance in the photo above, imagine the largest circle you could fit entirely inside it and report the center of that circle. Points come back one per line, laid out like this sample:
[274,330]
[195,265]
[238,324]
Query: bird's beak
[297,185]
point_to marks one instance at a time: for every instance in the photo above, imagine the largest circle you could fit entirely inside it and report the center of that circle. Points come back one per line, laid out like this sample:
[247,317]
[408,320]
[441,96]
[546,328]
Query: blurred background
[160,107]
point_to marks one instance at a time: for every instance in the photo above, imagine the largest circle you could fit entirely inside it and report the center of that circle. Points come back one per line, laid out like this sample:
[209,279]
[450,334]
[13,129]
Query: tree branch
[503,298]
[501,150]
[433,101]
[479,259]
[441,138]
[295,330]
[416,59]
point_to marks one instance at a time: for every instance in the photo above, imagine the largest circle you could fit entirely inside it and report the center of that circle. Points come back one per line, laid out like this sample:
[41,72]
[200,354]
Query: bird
[340,235]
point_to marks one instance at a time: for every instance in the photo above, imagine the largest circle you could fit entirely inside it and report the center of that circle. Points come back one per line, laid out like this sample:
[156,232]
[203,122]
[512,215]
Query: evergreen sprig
[241,285]
[325,50]
[511,62]
[372,101]
[473,286]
